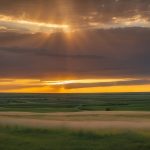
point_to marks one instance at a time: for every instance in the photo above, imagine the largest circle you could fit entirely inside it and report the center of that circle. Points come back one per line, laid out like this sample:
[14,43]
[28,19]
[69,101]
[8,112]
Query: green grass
[74,102]
[19,138]
[22,138]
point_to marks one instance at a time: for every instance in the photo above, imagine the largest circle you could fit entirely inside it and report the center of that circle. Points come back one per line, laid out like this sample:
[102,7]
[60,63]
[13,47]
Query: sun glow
[42,86]
[32,26]
[122,22]
[133,21]
[65,82]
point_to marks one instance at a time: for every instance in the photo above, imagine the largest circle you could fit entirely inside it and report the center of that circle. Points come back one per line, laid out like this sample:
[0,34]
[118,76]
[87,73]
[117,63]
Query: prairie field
[75,102]
[22,138]
[75,121]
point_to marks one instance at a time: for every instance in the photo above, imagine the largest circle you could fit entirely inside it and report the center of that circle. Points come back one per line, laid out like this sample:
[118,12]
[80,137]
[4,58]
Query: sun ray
[32,26]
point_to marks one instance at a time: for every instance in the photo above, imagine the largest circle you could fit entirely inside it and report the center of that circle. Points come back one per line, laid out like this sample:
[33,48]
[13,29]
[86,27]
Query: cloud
[18,87]
[106,84]
[23,25]
[112,39]
[90,54]
[81,14]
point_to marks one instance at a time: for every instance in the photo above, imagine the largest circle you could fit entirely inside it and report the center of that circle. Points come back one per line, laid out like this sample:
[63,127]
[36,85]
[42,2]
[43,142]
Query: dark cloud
[76,12]
[99,53]
[107,84]
[91,53]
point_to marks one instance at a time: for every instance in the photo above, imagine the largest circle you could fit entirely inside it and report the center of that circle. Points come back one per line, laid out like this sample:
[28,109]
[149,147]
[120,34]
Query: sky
[74,46]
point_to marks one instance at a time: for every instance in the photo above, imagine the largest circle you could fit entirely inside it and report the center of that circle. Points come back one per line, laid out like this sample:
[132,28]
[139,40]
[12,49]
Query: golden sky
[73,46]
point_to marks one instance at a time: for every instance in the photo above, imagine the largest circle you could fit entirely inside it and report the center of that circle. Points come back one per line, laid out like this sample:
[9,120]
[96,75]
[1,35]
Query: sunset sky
[73,46]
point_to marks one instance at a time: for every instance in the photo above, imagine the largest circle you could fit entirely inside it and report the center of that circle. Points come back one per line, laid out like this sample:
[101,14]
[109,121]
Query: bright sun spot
[65,82]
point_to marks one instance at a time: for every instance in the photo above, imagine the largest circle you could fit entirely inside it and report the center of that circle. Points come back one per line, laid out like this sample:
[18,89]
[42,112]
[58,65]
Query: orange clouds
[82,86]
[30,26]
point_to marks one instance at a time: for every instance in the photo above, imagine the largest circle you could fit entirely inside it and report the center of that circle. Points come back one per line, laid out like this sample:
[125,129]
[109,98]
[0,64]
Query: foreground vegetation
[20,138]
[74,102]
[28,138]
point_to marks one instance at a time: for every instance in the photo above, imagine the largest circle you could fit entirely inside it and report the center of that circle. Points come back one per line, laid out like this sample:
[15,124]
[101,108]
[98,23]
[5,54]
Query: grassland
[75,102]
[75,121]
[20,138]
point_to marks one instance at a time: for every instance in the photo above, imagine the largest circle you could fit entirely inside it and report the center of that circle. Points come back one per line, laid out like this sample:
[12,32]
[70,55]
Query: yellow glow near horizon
[64,82]
[111,89]
[40,86]
[33,25]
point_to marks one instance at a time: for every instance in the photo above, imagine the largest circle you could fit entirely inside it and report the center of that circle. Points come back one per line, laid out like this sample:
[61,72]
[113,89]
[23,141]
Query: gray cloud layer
[115,52]
[107,84]
[94,53]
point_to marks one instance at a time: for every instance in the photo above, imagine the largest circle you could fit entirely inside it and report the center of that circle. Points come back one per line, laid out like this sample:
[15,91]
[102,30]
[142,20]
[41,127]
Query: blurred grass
[20,138]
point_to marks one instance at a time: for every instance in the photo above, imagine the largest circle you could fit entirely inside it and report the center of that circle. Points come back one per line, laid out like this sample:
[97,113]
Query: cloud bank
[104,39]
